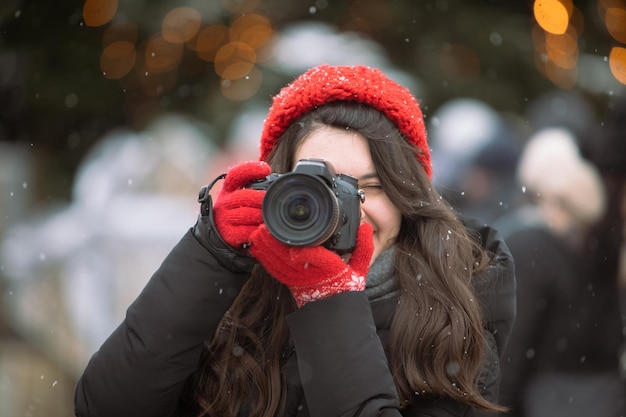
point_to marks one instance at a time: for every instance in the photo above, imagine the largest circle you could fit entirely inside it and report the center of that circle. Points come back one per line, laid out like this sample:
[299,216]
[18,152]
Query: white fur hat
[552,166]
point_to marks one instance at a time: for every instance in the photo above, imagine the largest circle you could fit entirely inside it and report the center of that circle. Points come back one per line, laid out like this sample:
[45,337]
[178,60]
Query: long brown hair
[442,355]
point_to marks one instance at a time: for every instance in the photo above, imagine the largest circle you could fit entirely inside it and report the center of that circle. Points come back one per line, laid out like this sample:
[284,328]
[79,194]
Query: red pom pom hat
[324,84]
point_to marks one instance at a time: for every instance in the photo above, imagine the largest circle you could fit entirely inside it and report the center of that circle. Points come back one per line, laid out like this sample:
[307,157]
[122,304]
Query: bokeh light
[99,12]
[562,50]
[556,56]
[188,46]
[234,60]
[162,56]
[617,63]
[561,77]
[181,24]
[556,35]
[209,41]
[613,14]
[242,88]
[252,29]
[615,21]
[605,5]
[553,15]
[237,45]
[234,47]
[119,53]
[117,59]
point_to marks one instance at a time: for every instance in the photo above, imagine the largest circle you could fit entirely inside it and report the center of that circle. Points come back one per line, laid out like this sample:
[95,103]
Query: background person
[551,362]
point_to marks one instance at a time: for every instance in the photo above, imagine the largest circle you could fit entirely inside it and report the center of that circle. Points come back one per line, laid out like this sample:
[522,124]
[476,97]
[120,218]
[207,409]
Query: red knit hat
[325,84]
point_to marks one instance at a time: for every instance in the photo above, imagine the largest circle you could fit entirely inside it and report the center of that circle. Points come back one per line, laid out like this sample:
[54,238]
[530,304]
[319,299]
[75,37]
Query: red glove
[314,272]
[237,210]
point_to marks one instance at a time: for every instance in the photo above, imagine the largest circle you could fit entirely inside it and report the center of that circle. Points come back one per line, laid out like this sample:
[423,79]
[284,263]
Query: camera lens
[300,210]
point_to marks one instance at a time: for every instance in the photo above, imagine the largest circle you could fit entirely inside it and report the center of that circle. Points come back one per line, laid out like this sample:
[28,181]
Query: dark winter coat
[339,367]
[562,354]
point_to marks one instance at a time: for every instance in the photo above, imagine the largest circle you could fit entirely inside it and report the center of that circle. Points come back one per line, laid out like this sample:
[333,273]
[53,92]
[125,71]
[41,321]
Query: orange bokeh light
[242,88]
[252,29]
[162,56]
[181,24]
[209,41]
[604,5]
[617,63]
[561,77]
[234,60]
[117,59]
[553,15]
[99,12]
[556,55]
[562,50]
[615,20]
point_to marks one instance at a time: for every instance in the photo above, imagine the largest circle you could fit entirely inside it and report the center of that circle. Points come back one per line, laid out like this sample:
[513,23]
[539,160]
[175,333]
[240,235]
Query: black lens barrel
[300,209]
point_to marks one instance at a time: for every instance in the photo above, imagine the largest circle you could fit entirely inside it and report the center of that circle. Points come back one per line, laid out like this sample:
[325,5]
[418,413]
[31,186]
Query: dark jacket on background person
[338,367]
[561,357]
[547,332]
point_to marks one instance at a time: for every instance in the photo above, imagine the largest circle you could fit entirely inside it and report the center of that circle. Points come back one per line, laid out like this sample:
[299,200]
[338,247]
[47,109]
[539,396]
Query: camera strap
[204,195]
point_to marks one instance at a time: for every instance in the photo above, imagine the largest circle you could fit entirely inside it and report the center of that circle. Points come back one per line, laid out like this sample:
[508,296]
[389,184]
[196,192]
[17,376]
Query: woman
[237,323]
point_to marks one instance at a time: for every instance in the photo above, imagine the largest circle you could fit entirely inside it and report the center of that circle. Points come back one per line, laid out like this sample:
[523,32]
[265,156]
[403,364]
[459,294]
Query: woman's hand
[237,210]
[314,272]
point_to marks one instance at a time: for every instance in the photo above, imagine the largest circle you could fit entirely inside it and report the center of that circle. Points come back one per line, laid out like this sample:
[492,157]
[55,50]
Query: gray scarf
[380,283]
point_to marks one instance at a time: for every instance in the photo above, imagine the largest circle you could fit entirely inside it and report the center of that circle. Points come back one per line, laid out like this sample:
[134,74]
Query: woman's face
[348,152]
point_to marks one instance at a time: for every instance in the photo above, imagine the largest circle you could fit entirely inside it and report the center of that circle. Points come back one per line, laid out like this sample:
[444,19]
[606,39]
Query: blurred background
[114,113]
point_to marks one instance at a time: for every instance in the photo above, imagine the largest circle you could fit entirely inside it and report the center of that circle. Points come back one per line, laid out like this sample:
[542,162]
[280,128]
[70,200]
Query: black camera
[312,205]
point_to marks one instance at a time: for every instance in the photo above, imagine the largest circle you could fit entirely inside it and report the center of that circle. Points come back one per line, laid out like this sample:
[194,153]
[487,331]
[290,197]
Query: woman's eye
[372,188]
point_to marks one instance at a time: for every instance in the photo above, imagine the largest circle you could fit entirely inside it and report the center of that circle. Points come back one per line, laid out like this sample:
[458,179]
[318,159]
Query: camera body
[312,205]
